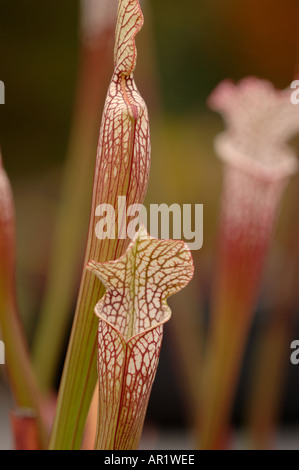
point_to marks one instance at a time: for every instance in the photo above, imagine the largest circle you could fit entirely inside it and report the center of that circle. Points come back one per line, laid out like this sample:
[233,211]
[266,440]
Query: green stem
[21,376]
[74,209]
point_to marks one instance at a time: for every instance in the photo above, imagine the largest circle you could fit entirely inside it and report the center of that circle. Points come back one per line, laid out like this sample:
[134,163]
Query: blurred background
[184,50]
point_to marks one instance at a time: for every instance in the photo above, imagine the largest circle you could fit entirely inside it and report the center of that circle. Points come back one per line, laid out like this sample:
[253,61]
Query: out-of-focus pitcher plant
[257,164]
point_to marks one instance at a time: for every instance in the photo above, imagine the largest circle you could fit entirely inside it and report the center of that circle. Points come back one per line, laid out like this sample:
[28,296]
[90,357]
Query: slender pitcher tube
[257,165]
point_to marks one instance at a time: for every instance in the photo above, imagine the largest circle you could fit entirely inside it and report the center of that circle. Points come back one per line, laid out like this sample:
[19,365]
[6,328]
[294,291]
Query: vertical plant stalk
[257,166]
[98,24]
[272,348]
[91,422]
[187,338]
[269,373]
[25,429]
[122,169]
[18,366]
[131,318]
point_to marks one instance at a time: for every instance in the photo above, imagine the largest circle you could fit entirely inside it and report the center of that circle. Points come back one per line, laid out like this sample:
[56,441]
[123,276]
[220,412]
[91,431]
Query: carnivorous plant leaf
[257,167]
[97,33]
[122,169]
[131,317]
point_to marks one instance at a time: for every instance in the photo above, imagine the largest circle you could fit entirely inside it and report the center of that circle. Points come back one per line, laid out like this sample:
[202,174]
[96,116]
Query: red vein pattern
[131,317]
[122,169]
[124,144]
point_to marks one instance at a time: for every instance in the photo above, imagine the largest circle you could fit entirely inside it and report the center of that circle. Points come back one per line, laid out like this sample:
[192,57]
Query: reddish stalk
[17,358]
[25,429]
